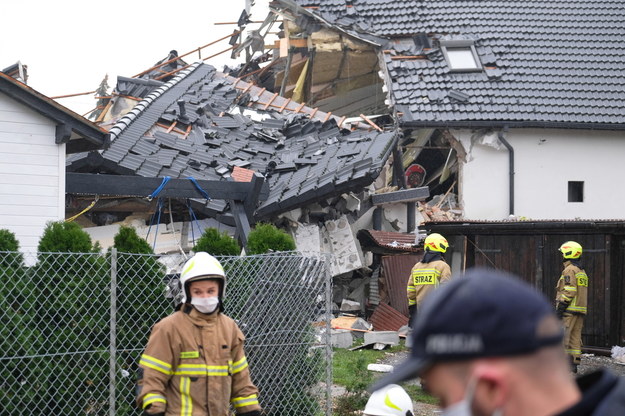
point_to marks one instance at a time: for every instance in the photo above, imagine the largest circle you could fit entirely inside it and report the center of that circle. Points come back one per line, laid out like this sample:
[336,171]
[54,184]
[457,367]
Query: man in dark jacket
[489,344]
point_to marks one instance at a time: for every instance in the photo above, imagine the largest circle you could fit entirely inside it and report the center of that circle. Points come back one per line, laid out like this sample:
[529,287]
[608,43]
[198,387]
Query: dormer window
[461,55]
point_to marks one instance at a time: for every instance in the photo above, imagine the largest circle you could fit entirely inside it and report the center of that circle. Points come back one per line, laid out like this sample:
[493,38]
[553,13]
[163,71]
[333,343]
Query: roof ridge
[132,115]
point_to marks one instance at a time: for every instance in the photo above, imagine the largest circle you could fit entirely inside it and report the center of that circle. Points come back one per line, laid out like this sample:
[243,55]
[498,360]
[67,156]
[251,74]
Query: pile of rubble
[441,208]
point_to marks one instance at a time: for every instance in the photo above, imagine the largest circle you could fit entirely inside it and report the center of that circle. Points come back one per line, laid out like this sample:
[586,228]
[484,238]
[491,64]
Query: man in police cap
[489,344]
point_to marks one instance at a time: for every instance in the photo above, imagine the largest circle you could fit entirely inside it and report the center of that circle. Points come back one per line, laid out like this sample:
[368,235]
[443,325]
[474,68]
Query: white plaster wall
[545,161]
[32,173]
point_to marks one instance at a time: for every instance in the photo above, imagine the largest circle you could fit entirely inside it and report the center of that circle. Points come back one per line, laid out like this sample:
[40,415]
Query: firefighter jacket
[425,277]
[194,365]
[572,288]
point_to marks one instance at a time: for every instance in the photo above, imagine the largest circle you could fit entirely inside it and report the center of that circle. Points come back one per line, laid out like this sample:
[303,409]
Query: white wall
[545,160]
[32,173]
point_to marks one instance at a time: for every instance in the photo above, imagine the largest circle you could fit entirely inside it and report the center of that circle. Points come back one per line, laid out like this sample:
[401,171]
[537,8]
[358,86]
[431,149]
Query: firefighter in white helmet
[427,274]
[391,400]
[194,363]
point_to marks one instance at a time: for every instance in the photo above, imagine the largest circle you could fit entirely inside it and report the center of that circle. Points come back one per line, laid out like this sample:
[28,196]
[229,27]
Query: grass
[350,371]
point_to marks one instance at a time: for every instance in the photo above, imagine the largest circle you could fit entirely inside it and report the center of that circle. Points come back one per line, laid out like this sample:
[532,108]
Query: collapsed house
[511,106]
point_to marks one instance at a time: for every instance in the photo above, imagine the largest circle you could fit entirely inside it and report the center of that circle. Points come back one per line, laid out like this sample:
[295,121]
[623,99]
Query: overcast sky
[70,45]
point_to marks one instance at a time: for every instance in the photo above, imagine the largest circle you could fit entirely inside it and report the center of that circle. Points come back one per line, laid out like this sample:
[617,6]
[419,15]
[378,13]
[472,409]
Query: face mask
[463,407]
[205,305]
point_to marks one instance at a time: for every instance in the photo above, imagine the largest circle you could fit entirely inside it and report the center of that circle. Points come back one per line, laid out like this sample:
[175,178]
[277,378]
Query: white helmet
[201,266]
[391,400]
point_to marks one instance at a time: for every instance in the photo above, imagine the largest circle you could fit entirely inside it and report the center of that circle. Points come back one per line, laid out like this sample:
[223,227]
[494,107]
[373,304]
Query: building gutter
[512,124]
[503,140]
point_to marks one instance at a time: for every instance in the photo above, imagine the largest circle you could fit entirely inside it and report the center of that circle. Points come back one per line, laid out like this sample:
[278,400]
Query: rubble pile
[441,208]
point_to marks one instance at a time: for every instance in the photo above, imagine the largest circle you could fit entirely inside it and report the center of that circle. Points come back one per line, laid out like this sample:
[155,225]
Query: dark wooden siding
[533,255]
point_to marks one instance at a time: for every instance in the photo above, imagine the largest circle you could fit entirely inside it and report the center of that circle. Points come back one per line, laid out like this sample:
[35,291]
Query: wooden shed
[530,250]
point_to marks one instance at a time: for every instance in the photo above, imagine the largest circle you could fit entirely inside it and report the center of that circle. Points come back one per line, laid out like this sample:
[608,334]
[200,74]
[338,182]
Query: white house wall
[32,173]
[545,160]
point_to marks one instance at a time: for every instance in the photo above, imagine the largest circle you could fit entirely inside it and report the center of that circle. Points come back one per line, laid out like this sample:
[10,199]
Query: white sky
[70,45]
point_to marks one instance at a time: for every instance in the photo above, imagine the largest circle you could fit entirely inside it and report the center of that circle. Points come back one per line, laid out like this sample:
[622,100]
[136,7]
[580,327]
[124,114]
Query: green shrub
[64,237]
[266,237]
[217,244]
[9,243]
[128,241]
[58,317]
[140,303]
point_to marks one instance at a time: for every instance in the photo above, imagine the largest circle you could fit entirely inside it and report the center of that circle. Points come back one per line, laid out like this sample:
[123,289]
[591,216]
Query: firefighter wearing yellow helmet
[572,300]
[391,400]
[194,362]
[429,273]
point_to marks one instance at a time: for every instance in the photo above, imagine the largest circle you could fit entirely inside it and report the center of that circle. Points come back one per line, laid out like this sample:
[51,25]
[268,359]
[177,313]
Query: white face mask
[463,407]
[205,305]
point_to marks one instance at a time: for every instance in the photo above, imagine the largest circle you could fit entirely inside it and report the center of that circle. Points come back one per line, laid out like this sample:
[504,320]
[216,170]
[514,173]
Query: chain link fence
[74,326]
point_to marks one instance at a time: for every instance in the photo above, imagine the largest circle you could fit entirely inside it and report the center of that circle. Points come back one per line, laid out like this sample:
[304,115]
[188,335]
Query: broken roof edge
[365,37]
[269,97]
[123,123]
[388,241]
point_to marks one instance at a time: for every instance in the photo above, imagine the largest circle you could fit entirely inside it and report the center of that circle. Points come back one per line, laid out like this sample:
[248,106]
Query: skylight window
[461,55]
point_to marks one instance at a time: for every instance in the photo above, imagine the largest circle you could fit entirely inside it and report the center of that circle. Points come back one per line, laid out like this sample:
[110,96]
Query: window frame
[467,44]
[576,192]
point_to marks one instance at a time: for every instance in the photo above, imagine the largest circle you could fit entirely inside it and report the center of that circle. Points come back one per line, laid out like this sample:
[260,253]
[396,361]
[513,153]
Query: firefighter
[391,400]
[194,363]
[572,300]
[427,274]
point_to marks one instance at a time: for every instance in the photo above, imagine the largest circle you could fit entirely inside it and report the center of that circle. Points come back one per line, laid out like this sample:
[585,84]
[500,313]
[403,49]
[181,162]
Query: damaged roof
[542,63]
[202,124]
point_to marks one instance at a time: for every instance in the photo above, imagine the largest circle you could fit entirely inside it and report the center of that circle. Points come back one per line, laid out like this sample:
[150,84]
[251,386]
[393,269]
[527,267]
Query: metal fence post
[328,340]
[113,334]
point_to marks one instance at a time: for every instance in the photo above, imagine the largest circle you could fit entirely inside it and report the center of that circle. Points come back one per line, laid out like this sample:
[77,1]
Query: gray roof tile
[570,50]
[215,144]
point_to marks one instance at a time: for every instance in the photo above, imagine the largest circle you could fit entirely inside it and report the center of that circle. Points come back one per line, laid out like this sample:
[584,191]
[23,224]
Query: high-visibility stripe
[201,370]
[577,308]
[151,398]
[566,298]
[412,302]
[155,364]
[239,366]
[570,288]
[412,289]
[244,401]
[573,352]
[186,404]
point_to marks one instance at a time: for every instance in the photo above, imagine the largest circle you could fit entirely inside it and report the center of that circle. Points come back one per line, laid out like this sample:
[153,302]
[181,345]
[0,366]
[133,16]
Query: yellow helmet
[571,250]
[436,242]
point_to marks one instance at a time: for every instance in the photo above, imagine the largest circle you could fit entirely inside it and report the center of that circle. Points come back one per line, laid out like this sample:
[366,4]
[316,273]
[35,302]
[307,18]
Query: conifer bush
[266,237]
[217,244]
[9,247]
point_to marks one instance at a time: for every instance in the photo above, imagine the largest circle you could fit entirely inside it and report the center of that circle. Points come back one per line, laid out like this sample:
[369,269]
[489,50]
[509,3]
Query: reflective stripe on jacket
[572,288]
[425,277]
[195,365]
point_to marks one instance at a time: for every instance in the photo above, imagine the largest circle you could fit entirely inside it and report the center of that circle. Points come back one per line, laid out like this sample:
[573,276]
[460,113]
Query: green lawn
[350,371]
